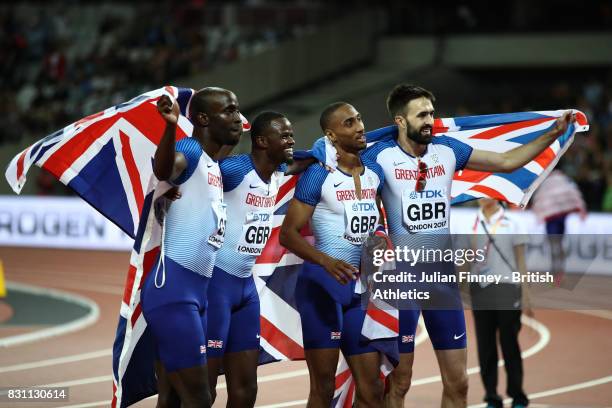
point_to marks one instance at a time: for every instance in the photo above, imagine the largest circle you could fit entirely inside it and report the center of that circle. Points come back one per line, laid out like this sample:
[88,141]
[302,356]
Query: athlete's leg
[219,311]
[363,359]
[398,382]
[321,320]
[179,334]
[447,332]
[366,372]
[167,397]
[454,377]
[214,367]
[322,365]
[241,376]
[242,351]
[192,386]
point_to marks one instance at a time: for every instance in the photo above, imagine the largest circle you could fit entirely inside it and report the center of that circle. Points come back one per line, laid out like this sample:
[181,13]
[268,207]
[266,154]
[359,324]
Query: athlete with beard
[342,209]
[418,169]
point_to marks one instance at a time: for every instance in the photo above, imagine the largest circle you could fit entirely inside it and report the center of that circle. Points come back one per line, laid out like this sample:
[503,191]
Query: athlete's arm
[168,164]
[297,216]
[482,160]
[298,166]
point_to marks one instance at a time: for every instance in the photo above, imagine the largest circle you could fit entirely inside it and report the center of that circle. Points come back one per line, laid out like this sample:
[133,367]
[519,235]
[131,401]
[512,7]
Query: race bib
[255,233]
[220,212]
[360,217]
[425,210]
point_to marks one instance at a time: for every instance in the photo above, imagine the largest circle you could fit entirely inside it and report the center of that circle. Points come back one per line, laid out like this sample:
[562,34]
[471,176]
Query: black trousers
[496,309]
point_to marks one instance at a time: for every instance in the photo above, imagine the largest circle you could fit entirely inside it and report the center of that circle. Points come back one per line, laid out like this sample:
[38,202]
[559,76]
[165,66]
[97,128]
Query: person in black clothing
[498,307]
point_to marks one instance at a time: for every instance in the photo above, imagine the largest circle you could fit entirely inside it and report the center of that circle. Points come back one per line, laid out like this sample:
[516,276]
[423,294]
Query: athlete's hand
[340,270]
[563,122]
[173,194]
[168,110]
[326,167]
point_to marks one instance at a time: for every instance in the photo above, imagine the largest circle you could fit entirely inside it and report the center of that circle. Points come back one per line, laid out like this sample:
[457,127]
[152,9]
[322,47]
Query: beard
[417,135]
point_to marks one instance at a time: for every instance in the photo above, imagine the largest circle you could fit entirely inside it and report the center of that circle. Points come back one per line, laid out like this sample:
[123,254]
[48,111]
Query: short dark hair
[262,122]
[328,112]
[404,93]
[201,99]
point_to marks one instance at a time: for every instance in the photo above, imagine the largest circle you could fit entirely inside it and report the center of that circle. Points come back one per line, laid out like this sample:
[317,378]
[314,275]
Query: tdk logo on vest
[426,194]
[261,217]
[363,206]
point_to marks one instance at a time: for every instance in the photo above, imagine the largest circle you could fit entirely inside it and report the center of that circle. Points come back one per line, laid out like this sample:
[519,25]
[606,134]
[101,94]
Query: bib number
[360,218]
[220,212]
[255,233]
[425,210]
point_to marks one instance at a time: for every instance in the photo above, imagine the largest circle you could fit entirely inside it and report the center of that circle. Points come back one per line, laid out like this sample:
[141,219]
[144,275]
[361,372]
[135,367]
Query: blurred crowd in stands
[66,60]
[481,16]
[589,160]
[62,63]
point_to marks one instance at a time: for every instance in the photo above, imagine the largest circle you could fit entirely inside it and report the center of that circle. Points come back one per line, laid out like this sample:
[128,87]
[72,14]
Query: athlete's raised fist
[563,122]
[168,110]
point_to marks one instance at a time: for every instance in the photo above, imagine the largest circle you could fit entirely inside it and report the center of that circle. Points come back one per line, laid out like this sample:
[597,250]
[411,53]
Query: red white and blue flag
[497,133]
[106,159]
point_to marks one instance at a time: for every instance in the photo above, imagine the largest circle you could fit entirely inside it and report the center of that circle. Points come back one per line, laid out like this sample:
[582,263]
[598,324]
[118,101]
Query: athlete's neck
[410,146]
[349,162]
[208,144]
[263,165]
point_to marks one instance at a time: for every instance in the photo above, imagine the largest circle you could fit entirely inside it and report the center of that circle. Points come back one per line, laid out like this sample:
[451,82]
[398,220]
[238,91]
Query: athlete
[342,209]
[174,293]
[418,170]
[250,185]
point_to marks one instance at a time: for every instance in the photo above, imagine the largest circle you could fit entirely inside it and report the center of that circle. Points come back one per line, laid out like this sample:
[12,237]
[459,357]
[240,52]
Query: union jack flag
[215,344]
[497,133]
[106,159]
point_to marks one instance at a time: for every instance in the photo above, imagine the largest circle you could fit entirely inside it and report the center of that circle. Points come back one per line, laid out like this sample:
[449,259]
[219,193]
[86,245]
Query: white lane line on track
[89,404]
[80,381]
[544,339]
[78,324]
[63,273]
[98,403]
[273,377]
[541,329]
[58,360]
[560,390]
[422,336]
[284,404]
[604,314]
[68,284]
